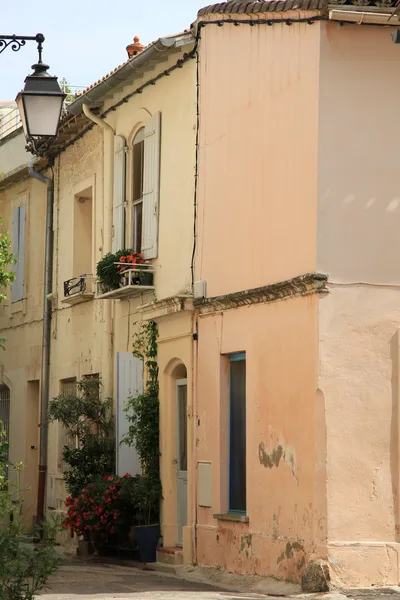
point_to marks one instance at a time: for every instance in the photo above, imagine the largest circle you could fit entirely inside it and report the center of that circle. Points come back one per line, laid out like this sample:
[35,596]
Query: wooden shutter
[129,383]
[119,194]
[151,187]
[18,246]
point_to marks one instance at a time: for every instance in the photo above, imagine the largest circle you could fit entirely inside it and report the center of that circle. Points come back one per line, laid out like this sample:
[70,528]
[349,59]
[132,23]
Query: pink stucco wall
[257,226]
[258,153]
[359,246]
[284,500]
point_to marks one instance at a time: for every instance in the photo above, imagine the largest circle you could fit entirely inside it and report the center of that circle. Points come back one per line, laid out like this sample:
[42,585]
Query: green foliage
[103,509]
[91,423]
[64,85]
[108,272]
[7,258]
[24,568]
[143,414]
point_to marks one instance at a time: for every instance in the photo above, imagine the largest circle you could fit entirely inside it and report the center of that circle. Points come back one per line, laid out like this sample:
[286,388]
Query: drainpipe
[47,310]
[108,192]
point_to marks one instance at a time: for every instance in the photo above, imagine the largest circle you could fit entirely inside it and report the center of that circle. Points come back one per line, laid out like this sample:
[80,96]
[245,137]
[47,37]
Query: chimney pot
[134,48]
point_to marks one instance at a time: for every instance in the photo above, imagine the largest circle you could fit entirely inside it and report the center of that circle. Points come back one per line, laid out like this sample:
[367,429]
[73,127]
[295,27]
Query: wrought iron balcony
[78,289]
[134,282]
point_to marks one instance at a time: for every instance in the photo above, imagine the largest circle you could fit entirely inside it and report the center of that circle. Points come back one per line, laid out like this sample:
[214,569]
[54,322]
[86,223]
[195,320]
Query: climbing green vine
[143,414]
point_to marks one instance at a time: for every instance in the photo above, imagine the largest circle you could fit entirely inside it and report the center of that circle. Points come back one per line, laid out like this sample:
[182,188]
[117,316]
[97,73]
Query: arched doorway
[5,410]
[179,376]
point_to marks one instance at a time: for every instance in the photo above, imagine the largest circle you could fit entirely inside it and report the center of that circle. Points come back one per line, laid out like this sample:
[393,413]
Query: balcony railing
[10,120]
[134,282]
[78,289]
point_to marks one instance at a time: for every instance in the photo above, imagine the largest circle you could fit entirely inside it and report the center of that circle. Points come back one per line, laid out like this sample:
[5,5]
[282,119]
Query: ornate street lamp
[40,102]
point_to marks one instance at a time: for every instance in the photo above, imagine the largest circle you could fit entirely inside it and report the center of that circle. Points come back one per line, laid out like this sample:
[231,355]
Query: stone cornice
[167,306]
[303,285]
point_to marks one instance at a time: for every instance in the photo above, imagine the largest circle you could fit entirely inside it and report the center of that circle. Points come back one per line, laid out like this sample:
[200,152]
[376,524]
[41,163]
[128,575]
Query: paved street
[87,581]
[80,581]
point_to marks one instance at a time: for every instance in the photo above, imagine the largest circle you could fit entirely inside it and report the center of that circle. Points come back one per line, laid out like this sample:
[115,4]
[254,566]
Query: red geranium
[131,260]
[97,509]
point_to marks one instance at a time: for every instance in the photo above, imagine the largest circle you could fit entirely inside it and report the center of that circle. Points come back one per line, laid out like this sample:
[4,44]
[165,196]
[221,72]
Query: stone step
[170,556]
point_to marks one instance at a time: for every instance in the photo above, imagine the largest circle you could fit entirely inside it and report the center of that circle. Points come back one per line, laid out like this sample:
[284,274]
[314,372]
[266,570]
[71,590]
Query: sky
[85,39]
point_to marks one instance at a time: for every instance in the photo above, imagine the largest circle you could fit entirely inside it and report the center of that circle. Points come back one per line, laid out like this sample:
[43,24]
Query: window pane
[182,424]
[138,155]
[137,226]
[237,450]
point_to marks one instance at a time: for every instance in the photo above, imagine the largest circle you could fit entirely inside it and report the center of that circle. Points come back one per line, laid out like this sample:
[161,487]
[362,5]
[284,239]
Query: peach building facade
[298,250]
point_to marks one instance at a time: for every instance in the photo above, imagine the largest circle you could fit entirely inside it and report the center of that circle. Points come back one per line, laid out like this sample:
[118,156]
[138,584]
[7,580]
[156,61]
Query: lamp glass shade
[40,104]
[40,115]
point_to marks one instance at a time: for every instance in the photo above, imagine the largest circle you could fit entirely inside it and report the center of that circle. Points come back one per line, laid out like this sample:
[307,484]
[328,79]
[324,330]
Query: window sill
[236,518]
[17,307]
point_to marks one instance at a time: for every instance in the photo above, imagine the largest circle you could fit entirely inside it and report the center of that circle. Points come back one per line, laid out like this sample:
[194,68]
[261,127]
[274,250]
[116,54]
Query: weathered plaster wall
[21,325]
[359,384]
[358,223]
[174,351]
[258,154]
[13,153]
[175,98]
[286,515]
[79,333]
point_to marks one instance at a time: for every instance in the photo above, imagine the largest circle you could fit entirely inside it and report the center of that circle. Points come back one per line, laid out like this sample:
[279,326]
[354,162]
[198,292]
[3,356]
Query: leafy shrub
[104,508]
[143,413]
[90,422]
[24,568]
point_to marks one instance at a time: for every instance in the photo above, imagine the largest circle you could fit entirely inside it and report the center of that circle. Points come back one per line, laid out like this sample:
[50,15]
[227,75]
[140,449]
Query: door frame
[178,384]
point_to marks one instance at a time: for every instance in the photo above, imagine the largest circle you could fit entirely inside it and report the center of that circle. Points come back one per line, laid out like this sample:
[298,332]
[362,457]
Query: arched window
[137,197]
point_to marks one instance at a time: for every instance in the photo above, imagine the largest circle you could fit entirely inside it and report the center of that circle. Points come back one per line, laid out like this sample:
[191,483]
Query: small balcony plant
[113,270]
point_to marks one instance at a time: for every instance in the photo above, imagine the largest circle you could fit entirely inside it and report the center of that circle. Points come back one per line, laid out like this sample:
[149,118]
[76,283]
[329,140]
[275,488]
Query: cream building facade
[97,168]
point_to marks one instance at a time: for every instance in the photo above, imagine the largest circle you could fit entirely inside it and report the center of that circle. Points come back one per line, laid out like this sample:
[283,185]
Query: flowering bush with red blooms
[132,259]
[97,511]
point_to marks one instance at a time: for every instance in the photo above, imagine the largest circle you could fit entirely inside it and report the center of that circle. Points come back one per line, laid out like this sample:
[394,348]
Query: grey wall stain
[273,459]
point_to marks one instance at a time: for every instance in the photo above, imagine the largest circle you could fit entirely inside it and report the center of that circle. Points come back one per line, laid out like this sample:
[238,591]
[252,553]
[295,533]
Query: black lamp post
[41,100]
[40,104]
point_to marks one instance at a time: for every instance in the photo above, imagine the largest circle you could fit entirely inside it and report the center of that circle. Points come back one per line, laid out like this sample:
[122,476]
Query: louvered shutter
[151,187]
[18,246]
[129,383]
[119,194]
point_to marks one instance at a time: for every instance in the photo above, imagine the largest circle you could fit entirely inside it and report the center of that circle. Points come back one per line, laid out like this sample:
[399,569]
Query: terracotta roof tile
[262,6]
[256,6]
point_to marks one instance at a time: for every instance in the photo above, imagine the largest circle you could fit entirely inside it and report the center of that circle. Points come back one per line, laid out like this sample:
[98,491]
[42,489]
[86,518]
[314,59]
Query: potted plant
[143,415]
[110,271]
[133,260]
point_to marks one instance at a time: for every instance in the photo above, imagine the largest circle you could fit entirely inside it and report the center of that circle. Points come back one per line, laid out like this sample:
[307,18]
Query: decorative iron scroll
[16,42]
[76,285]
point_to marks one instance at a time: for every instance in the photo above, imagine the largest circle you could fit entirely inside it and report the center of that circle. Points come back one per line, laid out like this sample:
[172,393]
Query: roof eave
[152,53]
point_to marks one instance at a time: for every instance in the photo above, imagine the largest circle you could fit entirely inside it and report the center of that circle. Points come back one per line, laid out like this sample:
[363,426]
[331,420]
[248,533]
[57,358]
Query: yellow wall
[21,325]
[86,337]
[175,98]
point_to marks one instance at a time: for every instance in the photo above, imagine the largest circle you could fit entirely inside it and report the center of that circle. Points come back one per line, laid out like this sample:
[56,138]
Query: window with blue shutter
[237,434]
[18,246]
